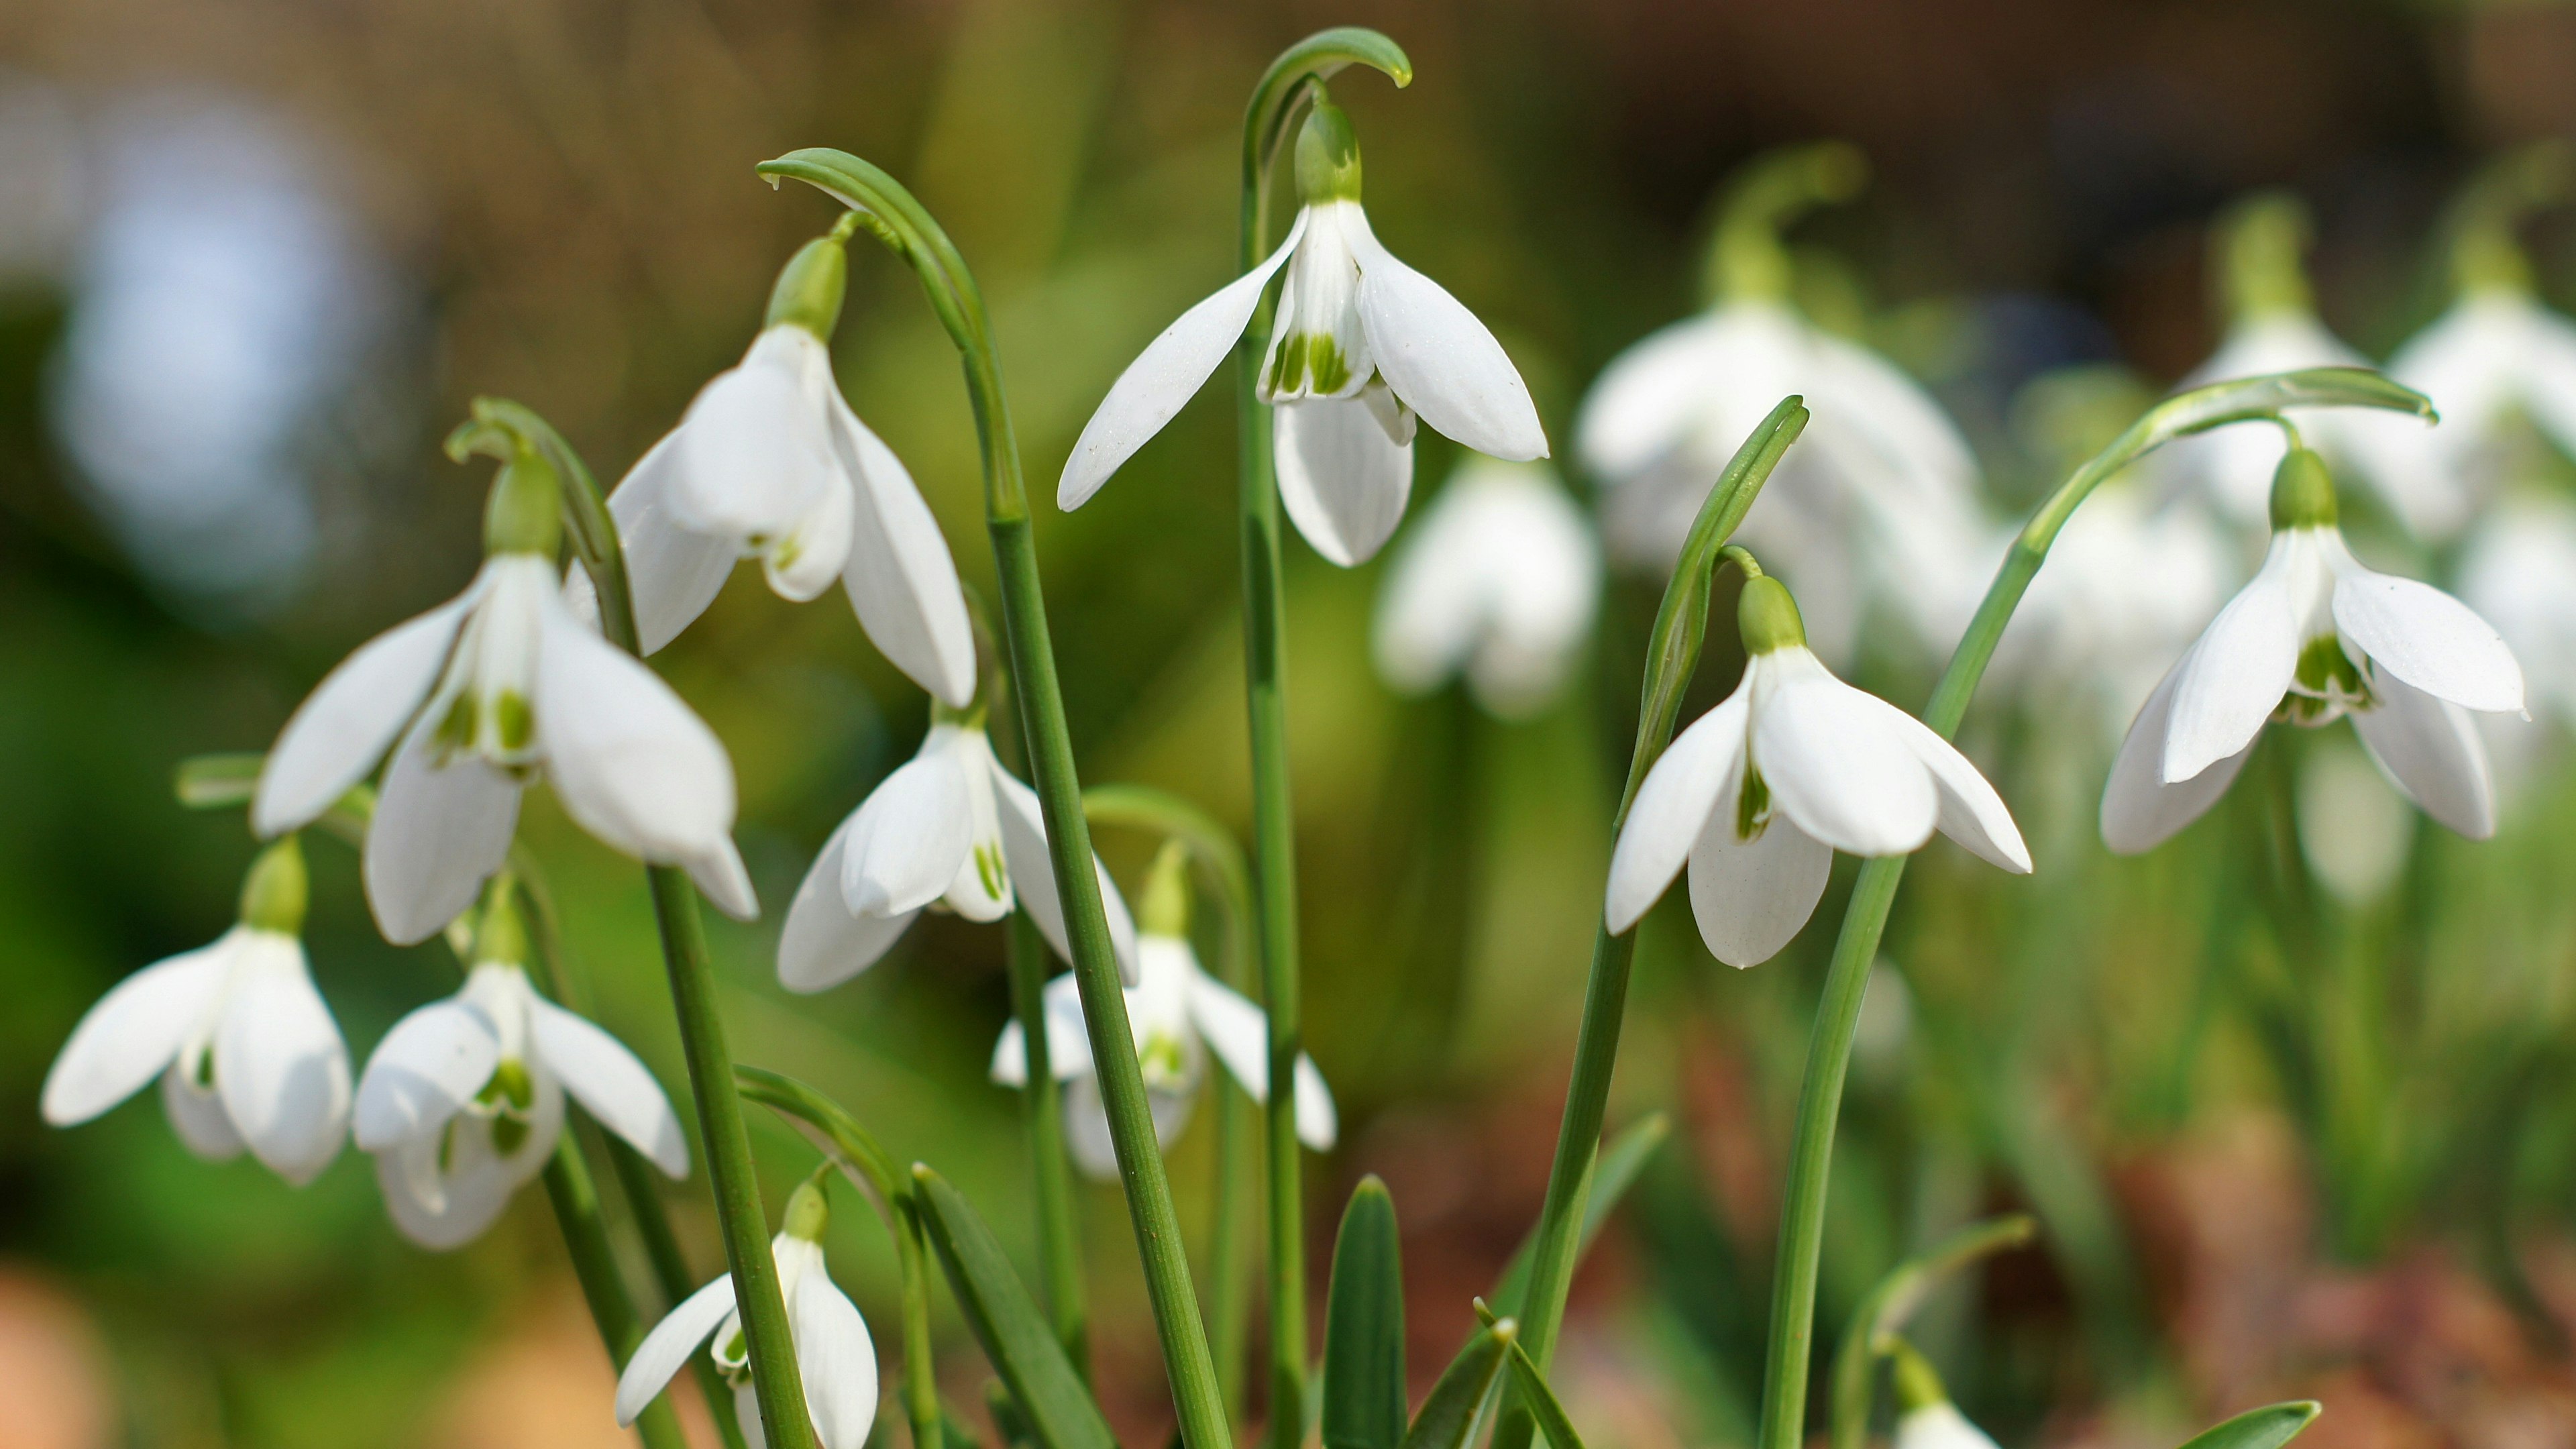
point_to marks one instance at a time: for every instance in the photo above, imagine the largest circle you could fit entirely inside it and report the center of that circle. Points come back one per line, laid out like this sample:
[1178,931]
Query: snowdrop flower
[1363,344]
[464,1099]
[2314,637]
[247,1054]
[771,463]
[1925,1417]
[2273,327]
[2518,572]
[1178,1014]
[487,692]
[950,828]
[1501,579]
[1760,792]
[1879,502]
[834,1354]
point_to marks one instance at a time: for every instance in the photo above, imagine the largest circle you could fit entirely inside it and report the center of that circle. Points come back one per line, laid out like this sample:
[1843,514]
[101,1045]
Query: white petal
[823,943]
[1086,1130]
[2428,639]
[280,1065]
[198,1117]
[2430,748]
[2139,810]
[1167,374]
[673,571]
[435,836]
[444,1210]
[1651,397]
[1024,853]
[611,1084]
[1674,804]
[720,875]
[1343,479]
[1068,1045]
[669,1345]
[1439,359]
[1751,898]
[133,1032]
[2233,676]
[1939,1426]
[425,1070]
[753,455]
[1833,762]
[1234,1028]
[910,837]
[837,1360]
[901,579]
[345,725]
[1433,605]
[1318,1124]
[1971,812]
[630,762]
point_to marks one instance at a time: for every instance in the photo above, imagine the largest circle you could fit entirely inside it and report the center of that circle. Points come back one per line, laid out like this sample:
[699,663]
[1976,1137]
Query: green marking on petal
[456,728]
[1163,1060]
[509,1133]
[514,720]
[2325,684]
[511,1084]
[1752,807]
[988,870]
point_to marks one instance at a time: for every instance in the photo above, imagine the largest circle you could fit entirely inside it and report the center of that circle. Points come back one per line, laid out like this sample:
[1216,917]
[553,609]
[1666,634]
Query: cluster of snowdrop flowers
[1878,507]
[834,1354]
[1499,578]
[484,694]
[770,463]
[246,1051]
[1364,345]
[2272,326]
[2315,637]
[463,1100]
[1178,1015]
[1758,794]
[949,828]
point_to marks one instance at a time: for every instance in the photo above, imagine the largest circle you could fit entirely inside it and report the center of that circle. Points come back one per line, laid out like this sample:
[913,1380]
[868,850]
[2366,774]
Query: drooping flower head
[246,1051]
[1879,506]
[1758,794]
[2316,637]
[1178,1015]
[950,828]
[2272,326]
[463,1101]
[487,693]
[771,463]
[1500,579]
[1363,346]
[834,1354]
[1925,1417]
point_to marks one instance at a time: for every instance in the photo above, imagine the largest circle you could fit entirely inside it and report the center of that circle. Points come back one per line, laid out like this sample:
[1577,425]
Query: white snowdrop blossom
[485,694]
[2273,327]
[1939,1426]
[1178,1014]
[1758,794]
[464,1099]
[950,828]
[2497,358]
[2314,637]
[770,463]
[834,1354]
[2518,571]
[1500,578]
[247,1053]
[1363,345]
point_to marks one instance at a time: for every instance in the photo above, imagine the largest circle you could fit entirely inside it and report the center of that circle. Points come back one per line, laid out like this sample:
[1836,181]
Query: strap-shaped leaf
[1364,1327]
[1536,1396]
[1614,1171]
[829,1127]
[1448,1417]
[2268,1427]
[1006,1321]
[1882,1315]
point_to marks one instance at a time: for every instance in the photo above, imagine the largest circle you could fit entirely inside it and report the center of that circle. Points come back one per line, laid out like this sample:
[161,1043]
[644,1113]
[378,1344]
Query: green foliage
[1364,1404]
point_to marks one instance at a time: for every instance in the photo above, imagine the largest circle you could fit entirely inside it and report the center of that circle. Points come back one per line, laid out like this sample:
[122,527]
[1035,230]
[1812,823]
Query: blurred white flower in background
[1499,579]
[2353,829]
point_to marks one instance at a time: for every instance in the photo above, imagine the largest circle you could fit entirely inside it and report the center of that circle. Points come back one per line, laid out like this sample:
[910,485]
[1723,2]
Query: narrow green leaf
[1882,1314]
[1448,1417]
[1364,1327]
[213,782]
[1541,1402]
[1318,57]
[1614,1171]
[2266,1428]
[1006,1321]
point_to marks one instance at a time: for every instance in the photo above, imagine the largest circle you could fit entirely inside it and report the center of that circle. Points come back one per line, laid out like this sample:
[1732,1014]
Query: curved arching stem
[1802,1218]
[890,213]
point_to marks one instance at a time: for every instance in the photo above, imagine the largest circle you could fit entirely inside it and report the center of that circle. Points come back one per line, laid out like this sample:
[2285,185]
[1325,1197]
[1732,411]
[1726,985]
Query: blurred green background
[255,256]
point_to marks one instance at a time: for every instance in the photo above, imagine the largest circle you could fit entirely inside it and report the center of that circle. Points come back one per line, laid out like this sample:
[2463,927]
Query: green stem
[594,1263]
[891,214]
[1285,89]
[1802,1218]
[920,1368]
[1042,1112]
[775,1379]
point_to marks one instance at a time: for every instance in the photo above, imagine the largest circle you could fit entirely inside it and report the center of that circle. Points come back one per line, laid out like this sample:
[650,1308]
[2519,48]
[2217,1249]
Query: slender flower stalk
[889,212]
[1802,1218]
